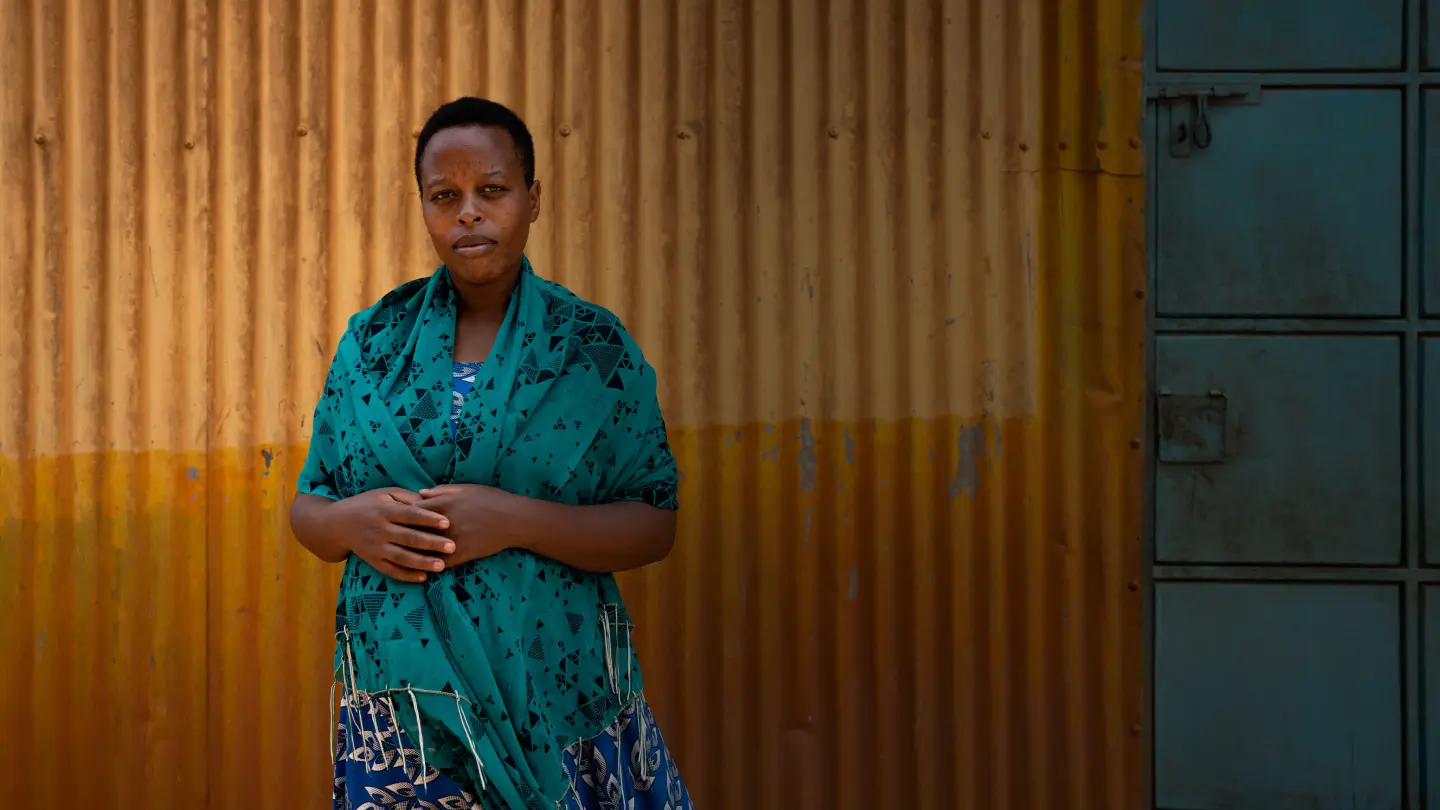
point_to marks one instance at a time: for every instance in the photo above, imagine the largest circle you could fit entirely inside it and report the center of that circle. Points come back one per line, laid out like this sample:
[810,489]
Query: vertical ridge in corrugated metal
[886,257]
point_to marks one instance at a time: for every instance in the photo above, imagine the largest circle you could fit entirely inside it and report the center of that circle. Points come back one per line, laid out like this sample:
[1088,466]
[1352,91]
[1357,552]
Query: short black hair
[469,111]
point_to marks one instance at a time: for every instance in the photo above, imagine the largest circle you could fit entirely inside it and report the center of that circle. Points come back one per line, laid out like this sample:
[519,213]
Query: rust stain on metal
[845,329]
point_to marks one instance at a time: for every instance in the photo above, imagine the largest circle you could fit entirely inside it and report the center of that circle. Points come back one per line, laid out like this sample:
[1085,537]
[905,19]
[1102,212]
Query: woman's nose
[470,212]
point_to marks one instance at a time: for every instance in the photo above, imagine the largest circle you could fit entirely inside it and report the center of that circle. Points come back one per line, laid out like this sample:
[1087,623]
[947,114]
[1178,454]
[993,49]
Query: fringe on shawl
[617,629]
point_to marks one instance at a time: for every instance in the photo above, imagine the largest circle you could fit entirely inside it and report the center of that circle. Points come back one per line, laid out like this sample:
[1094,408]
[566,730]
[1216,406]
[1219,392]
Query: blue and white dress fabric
[464,382]
[377,766]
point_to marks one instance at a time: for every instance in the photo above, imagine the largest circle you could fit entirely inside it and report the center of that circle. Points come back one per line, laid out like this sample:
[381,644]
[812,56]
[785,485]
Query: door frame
[1150,129]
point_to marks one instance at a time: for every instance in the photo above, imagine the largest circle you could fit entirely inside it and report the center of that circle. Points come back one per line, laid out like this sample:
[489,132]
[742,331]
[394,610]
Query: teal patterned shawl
[504,661]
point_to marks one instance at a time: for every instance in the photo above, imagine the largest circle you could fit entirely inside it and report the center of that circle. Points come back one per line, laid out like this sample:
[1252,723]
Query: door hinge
[1190,126]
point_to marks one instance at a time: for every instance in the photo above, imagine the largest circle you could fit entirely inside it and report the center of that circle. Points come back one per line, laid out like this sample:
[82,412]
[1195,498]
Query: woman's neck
[486,302]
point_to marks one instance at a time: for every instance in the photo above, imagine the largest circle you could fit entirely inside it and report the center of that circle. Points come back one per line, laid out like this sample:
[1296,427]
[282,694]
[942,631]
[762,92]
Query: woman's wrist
[315,527]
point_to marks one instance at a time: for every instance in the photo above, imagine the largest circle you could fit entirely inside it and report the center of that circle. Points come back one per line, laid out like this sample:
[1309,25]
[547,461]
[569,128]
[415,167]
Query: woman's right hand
[385,527]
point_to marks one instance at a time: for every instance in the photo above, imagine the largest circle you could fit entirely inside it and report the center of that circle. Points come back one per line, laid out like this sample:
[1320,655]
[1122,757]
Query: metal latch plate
[1192,428]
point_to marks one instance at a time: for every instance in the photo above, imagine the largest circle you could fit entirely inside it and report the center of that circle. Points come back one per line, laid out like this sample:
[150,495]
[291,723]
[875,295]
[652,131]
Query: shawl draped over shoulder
[505,661]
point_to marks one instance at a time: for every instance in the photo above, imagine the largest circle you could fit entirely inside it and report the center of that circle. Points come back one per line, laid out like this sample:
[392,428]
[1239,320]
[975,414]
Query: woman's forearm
[307,521]
[603,539]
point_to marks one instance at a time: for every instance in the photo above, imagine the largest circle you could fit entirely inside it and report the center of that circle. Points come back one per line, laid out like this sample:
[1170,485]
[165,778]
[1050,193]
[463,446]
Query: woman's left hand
[478,519]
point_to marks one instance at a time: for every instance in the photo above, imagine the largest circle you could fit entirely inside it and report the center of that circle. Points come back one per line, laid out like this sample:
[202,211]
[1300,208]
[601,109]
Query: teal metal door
[1295,167]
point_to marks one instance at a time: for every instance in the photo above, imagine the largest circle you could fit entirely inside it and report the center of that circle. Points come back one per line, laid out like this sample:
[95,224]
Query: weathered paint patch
[806,456]
[971,447]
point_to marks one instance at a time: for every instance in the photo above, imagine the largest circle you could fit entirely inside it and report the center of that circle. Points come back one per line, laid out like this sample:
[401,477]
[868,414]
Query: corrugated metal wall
[887,257]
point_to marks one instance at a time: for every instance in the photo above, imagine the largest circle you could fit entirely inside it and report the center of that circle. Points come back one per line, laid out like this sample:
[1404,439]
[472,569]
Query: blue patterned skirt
[376,767]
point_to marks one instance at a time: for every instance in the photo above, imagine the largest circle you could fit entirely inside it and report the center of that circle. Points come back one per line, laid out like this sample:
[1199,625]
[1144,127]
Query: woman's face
[477,208]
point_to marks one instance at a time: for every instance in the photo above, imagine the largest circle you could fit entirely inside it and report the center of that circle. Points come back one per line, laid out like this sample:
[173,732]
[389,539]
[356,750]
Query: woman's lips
[474,247]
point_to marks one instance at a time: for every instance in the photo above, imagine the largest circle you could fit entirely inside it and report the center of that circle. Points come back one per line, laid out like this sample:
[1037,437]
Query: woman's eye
[441,195]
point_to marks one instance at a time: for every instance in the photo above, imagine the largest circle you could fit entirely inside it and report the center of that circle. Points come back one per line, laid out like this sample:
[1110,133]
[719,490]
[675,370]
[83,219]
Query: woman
[487,451]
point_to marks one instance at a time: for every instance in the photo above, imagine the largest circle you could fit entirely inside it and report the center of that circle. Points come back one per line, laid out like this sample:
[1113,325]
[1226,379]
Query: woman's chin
[474,272]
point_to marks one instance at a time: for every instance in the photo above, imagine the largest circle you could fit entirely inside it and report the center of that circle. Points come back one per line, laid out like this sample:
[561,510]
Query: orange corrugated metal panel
[887,257]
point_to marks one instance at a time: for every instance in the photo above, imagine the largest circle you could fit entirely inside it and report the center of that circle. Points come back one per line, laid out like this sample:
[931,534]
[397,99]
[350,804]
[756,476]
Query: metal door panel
[1430,449]
[1273,35]
[1277,696]
[1430,202]
[1432,34]
[1278,449]
[1293,207]
[1430,666]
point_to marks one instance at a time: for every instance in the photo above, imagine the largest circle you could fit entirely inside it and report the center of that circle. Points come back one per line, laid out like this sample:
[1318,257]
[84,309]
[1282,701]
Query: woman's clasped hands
[407,535]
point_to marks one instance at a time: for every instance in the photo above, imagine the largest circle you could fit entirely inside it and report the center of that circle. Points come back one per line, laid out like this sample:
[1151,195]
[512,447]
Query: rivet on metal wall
[1134,442]
[833,132]
[40,138]
[1134,143]
[189,144]
[985,134]
[682,134]
[302,132]
[1024,147]
[565,131]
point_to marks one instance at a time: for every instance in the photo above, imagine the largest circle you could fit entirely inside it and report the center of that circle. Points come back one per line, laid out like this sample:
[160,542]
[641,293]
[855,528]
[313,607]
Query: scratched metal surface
[887,257]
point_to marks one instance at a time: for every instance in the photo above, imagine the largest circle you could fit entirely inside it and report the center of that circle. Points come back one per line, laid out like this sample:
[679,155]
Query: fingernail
[449,547]
[444,524]
[437,565]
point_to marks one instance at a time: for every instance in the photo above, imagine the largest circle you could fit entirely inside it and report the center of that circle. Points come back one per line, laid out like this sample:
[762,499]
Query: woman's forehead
[474,146]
